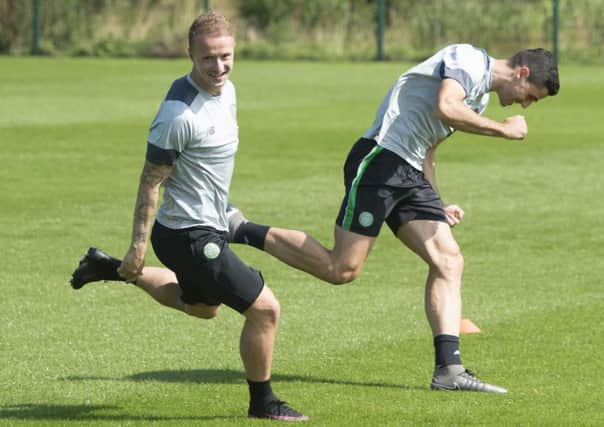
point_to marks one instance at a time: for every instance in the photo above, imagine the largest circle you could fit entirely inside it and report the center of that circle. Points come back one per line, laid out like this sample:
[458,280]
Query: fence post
[381,22]
[35,42]
[556,28]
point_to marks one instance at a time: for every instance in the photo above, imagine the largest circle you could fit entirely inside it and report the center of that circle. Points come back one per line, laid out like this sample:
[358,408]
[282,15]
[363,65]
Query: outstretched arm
[451,109]
[146,201]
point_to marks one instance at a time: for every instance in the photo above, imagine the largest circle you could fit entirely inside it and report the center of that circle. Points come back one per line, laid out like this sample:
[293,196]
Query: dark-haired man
[390,177]
[191,150]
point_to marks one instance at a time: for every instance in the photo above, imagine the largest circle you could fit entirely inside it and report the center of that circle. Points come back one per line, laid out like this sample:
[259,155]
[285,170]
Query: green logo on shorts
[211,250]
[366,219]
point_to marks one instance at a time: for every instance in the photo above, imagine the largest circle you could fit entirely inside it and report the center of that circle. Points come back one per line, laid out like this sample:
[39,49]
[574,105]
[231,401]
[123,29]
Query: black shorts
[208,271]
[381,186]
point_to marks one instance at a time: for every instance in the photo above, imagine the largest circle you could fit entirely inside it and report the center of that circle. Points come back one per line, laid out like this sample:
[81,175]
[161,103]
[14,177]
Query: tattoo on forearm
[140,236]
[146,200]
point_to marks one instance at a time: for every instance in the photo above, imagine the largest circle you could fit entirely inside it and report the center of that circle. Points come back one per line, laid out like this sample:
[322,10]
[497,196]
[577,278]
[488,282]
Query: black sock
[446,349]
[260,392]
[252,234]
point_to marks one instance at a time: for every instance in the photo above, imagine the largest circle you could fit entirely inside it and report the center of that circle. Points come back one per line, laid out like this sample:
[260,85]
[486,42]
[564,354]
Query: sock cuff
[252,234]
[446,338]
[446,350]
[260,391]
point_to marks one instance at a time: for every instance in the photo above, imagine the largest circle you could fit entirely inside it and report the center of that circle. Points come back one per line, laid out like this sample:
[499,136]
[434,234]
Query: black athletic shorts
[381,186]
[208,271]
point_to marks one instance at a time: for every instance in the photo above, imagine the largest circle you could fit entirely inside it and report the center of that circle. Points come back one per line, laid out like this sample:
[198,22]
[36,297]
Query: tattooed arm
[144,212]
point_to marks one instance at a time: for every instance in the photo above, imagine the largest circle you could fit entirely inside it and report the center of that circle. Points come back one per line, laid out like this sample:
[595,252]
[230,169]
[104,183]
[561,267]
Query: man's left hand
[454,214]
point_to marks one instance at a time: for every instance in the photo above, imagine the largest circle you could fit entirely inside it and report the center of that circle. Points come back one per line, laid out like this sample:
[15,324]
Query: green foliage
[105,27]
[73,134]
[306,29]
[9,27]
[414,29]
[583,30]
[310,29]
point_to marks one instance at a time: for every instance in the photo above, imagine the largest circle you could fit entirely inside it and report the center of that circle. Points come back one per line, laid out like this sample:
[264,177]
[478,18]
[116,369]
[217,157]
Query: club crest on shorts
[211,250]
[366,219]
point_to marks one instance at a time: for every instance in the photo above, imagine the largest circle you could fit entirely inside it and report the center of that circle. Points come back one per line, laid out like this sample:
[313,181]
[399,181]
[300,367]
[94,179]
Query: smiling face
[213,57]
[520,91]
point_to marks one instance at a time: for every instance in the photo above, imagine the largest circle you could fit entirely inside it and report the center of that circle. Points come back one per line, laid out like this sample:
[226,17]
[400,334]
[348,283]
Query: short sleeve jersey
[406,123]
[197,134]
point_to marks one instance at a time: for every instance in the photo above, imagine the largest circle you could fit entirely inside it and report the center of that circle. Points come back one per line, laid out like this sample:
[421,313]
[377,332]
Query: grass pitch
[73,132]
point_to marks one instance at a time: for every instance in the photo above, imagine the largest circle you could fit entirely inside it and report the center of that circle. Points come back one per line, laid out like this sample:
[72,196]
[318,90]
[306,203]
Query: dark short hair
[543,66]
[210,23]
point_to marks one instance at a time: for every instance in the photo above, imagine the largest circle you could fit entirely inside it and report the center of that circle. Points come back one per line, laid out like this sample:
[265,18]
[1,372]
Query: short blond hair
[210,23]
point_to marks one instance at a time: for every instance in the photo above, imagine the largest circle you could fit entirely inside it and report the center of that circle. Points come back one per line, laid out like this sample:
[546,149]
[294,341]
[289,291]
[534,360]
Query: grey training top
[406,123]
[197,134]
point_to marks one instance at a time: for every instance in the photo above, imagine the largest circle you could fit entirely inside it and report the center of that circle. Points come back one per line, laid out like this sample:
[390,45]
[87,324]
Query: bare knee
[266,310]
[343,276]
[202,311]
[342,272]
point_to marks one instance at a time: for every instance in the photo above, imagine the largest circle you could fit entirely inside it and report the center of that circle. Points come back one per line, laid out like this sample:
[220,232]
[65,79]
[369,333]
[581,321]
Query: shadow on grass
[41,411]
[209,376]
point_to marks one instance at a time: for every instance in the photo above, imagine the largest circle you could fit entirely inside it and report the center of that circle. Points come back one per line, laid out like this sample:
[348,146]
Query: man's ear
[523,71]
[190,54]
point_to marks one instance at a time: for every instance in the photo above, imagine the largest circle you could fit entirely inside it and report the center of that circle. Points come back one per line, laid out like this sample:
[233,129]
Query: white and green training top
[406,123]
[197,134]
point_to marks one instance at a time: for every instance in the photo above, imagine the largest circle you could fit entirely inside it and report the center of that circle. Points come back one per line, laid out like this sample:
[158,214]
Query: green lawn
[72,138]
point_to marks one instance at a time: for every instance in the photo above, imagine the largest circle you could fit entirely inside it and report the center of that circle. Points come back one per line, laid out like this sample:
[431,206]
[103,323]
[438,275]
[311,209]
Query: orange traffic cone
[466,326]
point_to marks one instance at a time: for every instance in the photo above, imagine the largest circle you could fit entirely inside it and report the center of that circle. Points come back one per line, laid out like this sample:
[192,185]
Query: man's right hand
[132,265]
[515,127]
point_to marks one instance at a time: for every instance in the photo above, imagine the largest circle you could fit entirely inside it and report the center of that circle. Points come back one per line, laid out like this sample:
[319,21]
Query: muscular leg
[434,243]
[162,286]
[258,336]
[256,348]
[298,249]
